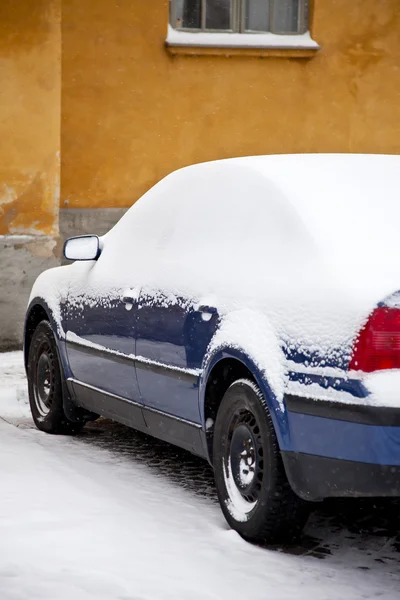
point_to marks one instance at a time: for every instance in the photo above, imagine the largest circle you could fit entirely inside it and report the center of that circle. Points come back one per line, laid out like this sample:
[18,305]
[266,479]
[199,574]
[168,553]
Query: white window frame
[238,16]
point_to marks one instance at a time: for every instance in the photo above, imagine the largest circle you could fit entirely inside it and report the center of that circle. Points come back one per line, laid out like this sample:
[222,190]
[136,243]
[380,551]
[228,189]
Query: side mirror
[83,247]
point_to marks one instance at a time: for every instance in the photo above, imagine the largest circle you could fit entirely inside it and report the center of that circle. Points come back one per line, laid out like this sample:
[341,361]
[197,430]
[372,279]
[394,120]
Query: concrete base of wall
[22,259]
[78,221]
[81,221]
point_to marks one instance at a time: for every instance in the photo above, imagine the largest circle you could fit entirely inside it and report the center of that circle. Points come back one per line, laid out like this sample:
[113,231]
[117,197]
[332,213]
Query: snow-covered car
[248,311]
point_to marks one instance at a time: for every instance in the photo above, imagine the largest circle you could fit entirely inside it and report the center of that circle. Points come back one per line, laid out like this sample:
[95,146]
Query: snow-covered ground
[113,514]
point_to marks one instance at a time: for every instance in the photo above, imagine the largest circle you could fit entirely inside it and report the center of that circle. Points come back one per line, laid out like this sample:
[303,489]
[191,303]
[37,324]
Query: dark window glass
[188,14]
[285,16]
[257,15]
[277,16]
[218,14]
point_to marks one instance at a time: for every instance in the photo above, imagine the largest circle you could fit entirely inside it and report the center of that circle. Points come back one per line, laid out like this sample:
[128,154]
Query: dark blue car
[247,311]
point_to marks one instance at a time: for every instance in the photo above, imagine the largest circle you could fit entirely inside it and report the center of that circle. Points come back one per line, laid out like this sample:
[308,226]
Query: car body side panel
[171,340]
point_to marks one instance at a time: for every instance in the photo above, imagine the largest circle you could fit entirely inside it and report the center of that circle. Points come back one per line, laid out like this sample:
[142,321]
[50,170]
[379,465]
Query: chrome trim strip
[139,361]
[185,371]
[174,417]
[104,392]
[100,351]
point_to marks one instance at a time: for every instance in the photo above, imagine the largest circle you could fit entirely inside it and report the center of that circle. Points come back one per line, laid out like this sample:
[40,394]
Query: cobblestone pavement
[369,527]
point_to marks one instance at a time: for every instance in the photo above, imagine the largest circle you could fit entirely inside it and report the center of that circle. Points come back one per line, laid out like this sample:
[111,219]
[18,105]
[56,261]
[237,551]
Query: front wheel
[254,493]
[45,384]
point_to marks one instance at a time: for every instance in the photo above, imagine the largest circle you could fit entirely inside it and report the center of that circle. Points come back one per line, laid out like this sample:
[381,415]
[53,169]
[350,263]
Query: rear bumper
[342,450]
[318,477]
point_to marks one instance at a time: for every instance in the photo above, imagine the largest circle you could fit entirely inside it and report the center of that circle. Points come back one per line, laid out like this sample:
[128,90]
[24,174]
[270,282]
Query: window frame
[238,19]
[203,29]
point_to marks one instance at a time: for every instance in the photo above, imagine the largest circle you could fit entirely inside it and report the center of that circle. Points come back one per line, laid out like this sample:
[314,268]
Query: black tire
[254,493]
[45,384]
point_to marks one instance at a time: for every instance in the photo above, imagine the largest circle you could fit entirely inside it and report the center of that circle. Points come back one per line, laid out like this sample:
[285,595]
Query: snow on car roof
[345,199]
[347,205]
[356,194]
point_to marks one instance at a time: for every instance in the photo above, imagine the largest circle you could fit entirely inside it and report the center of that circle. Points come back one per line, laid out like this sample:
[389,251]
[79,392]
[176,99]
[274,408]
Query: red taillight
[378,345]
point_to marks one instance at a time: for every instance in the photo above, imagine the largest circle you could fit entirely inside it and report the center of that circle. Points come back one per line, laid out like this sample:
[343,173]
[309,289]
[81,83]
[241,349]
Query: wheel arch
[38,310]
[224,367]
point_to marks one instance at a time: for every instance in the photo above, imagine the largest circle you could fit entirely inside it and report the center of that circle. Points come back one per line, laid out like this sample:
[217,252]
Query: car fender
[248,337]
[54,322]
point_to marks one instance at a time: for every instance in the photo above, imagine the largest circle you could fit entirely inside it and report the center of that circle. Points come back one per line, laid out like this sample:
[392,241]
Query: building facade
[101,99]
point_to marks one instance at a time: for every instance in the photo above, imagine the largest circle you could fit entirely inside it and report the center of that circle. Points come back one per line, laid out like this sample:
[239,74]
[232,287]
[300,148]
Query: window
[241,16]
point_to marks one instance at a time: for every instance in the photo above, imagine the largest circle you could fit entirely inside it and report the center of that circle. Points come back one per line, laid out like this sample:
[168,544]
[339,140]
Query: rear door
[172,336]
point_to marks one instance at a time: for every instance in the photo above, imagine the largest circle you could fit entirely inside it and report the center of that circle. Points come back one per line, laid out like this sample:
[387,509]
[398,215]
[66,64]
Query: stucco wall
[132,112]
[126,112]
[30,58]
[29,116]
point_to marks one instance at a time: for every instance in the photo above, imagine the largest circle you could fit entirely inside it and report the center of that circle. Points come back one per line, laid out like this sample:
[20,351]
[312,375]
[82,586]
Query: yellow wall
[29,116]
[131,112]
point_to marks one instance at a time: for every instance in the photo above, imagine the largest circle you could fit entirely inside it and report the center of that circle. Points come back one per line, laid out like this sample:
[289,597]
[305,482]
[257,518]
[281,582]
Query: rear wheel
[252,487]
[45,386]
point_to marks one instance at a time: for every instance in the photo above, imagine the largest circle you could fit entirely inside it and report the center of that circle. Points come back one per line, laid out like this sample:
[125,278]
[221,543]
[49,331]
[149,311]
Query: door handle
[130,297]
[207,312]
[211,310]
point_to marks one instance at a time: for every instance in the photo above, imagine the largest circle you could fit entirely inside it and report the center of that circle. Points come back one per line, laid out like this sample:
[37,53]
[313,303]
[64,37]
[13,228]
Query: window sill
[243,44]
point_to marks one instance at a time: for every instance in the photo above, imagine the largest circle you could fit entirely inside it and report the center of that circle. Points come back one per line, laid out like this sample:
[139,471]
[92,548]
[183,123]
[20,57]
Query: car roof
[349,203]
[344,207]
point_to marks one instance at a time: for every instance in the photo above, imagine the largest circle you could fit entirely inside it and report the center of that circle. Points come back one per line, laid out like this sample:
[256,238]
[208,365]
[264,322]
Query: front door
[100,332]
